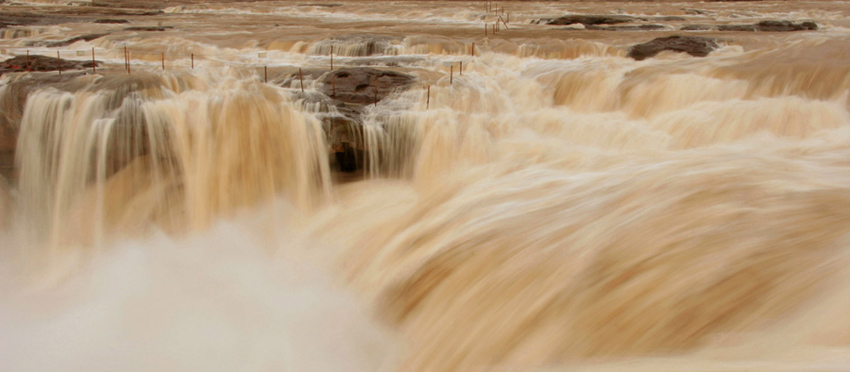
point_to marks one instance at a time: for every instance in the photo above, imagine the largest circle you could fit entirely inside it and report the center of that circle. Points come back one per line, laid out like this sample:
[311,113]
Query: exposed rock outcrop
[111,21]
[358,84]
[589,19]
[345,94]
[41,63]
[646,27]
[70,41]
[695,46]
[148,28]
[771,26]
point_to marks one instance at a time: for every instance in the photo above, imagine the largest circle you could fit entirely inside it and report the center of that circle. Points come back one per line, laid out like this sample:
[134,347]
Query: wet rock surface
[148,28]
[42,63]
[647,27]
[363,85]
[695,46]
[771,26]
[63,43]
[342,100]
[111,21]
[588,19]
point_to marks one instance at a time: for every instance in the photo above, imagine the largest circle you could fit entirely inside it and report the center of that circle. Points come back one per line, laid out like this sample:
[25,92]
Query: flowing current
[534,200]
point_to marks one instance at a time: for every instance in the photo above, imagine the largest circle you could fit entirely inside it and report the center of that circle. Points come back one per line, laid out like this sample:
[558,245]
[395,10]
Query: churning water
[555,206]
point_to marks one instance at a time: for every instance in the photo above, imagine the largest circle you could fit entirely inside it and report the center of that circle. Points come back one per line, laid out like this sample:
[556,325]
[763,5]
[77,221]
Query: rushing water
[557,206]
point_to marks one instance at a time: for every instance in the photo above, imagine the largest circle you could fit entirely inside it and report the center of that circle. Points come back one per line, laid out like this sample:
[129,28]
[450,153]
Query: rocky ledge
[695,46]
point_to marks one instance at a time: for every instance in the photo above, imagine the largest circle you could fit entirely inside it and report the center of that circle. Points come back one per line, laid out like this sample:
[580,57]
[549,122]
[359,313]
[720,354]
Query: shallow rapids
[555,206]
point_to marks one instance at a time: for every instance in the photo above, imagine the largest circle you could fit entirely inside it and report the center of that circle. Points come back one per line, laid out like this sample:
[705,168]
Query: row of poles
[128,67]
[496,26]
[128,64]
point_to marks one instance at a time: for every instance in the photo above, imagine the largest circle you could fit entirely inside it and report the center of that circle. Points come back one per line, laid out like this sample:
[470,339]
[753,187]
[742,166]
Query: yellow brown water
[559,206]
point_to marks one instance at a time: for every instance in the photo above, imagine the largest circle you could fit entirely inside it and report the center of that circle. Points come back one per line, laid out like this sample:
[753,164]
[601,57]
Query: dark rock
[41,63]
[668,19]
[111,21]
[63,43]
[148,28]
[587,20]
[696,28]
[342,108]
[771,26]
[695,46]
[357,84]
[627,28]
[322,5]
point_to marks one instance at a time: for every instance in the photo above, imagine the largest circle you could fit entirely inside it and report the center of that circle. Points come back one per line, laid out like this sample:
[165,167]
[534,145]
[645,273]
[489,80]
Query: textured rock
[111,21]
[695,46]
[148,28]
[357,84]
[648,27]
[41,63]
[771,26]
[588,19]
[70,41]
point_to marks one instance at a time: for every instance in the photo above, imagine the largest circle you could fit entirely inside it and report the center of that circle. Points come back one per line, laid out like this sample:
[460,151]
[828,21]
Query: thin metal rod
[451,73]
[163,61]
[193,61]
[265,74]
[301,77]
[93,62]
[332,58]
[461,68]
[376,91]
[59,61]
[428,100]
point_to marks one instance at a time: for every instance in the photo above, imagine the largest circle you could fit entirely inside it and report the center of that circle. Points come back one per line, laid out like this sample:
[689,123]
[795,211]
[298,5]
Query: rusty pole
[59,61]
[472,50]
[451,73]
[93,62]
[163,61]
[193,61]
[128,61]
[301,77]
[485,29]
[332,58]
[461,68]
[428,100]
[265,74]
[376,91]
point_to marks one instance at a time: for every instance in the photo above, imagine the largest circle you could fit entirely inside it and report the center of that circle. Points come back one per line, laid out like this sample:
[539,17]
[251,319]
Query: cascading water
[555,206]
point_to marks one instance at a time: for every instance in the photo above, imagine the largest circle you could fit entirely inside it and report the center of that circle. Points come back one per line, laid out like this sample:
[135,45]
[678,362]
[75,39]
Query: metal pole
[301,77]
[428,100]
[265,74]
[163,61]
[59,61]
[193,61]
[93,62]
[451,73]
[332,58]
[376,91]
